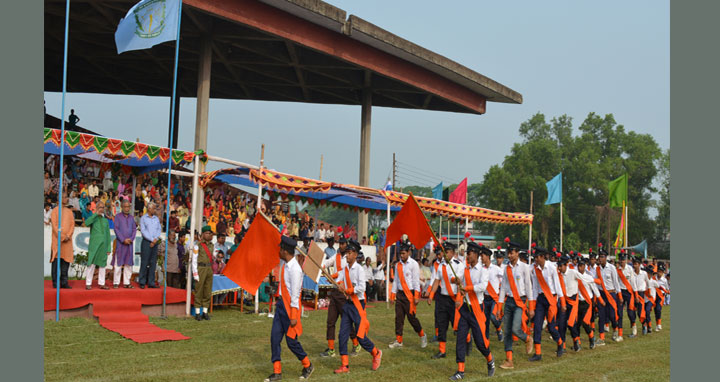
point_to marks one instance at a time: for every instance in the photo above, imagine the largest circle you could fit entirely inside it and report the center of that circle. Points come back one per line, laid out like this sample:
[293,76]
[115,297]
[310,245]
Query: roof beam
[295,62]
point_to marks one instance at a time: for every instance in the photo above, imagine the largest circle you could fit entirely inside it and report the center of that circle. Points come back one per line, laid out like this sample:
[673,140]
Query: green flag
[446,194]
[618,191]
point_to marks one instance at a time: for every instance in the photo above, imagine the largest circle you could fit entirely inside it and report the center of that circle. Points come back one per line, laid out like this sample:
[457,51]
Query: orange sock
[355,342]
[508,355]
[592,334]
[620,332]
[659,321]
[592,324]
[374,352]
[331,344]
[436,331]
[538,349]
[489,357]
[560,342]
[422,333]
[277,367]
[306,362]
[442,347]
[602,336]
[398,338]
[461,367]
[576,338]
[344,360]
[468,338]
[515,338]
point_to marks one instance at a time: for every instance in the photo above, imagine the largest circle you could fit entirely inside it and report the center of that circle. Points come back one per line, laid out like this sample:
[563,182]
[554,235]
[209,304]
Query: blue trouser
[648,311]
[489,306]
[658,307]
[512,321]
[350,321]
[280,325]
[621,306]
[445,315]
[148,262]
[606,312]
[468,322]
[563,320]
[542,308]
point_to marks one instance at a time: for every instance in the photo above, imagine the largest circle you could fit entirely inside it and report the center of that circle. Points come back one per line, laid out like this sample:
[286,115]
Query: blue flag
[388,186]
[554,189]
[438,192]
[148,23]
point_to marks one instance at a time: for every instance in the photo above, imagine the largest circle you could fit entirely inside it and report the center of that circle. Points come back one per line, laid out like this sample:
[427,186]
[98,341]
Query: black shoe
[142,286]
[457,376]
[274,377]
[491,367]
[206,316]
[66,286]
[500,336]
[536,357]
[306,371]
[560,351]
[576,346]
[592,343]
[328,353]
[198,317]
[153,286]
[439,355]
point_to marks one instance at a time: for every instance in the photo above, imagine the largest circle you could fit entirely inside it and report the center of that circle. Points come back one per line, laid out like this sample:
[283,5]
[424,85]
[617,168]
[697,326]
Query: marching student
[335,263]
[352,284]
[588,296]
[473,282]
[435,265]
[517,288]
[626,276]
[491,296]
[663,288]
[544,301]
[573,279]
[286,322]
[650,298]
[607,280]
[445,303]
[406,290]
[641,282]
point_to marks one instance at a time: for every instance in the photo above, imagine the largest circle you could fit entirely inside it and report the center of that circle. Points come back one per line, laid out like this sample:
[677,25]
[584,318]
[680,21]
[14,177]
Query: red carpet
[119,310]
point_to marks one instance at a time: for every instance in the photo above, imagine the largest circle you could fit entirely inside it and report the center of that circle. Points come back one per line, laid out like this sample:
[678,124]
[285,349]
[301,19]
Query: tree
[661,245]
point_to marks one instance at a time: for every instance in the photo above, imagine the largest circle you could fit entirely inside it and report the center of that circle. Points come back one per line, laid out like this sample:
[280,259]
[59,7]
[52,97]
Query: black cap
[342,239]
[511,244]
[288,244]
[487,251]
[405,246]
[593,255]
[499,252]
[353,245]
[621,256]
[563,260]
[636,259]
[437,249]
[474,247]
[661,267]
[523,255]
[360,257]
[649,270]
[449,245]
[582,261]
[540,251]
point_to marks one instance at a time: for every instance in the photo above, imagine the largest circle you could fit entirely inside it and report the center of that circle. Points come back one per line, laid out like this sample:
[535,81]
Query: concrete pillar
[365,124]
[203,108]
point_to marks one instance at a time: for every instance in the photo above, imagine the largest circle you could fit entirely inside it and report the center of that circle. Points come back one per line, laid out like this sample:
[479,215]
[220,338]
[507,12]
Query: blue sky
[564,57]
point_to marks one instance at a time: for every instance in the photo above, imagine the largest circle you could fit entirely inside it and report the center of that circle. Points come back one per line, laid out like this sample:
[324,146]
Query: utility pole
[394,168]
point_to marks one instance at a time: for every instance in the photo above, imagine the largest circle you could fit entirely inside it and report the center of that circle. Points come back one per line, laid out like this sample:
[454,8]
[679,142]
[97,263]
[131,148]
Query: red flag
[460,194]
[411,221]
[256,255]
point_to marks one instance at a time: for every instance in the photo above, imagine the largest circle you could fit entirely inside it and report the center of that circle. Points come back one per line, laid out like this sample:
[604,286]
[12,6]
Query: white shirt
[93,191]
[357,279]
[521,273]
[652,284]
[549,273]
[411,271]
[590,286]
[610,278]
[591,270]
[46,216]
[369,274]
[379,273]
[662,281]
[458,266]
[332,265]
[629,273]
[293,277]
[479,277]
[495,275]
[641,281]
[572,277]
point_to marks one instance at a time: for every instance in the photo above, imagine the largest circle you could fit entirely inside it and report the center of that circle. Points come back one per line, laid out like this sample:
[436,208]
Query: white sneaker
[634,330]
[619,339]
[396,344]
[615,336]
[423,341]
[659,327]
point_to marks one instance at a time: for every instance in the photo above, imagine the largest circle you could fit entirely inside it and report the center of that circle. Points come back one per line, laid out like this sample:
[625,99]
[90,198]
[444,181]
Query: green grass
[235,346]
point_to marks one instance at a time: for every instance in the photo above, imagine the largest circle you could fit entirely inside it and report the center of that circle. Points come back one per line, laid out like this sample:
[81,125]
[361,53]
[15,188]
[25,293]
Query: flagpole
[193,227]
[561,226]
[172,134]
[259,204]
[387,262]
[531,211]
[62,156]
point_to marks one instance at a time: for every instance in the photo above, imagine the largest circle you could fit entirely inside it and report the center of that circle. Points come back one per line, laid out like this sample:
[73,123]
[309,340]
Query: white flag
[148,23]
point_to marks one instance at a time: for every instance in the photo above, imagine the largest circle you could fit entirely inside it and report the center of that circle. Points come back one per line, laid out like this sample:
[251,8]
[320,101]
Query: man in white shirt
[495,275]
[370,279]
[406,290]
[650,298]
[334,265]
[437,261]
[516,278]
[662,288]
[379,276]
[473,282]
[587,292]
[572,278]
[626,275]
[93,190]
[546,291]
[352,284]
[445,303]
[286,322]
[609,287]
[640,285]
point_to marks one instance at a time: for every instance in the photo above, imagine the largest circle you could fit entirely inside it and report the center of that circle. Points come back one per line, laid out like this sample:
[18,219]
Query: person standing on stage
[287,320]
[354,318]
[67,252]
[99,247]
[202,259]
[546,291]
[445,304]
[150,229]
[125,229]
[516,286]
[406,290]
[607,280]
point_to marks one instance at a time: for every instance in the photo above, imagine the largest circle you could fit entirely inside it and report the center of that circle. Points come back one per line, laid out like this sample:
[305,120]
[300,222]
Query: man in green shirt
[99,248]
[202,273]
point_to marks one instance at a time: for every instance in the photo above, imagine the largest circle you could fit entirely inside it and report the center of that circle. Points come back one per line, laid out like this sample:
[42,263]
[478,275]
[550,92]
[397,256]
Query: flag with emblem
[148,23]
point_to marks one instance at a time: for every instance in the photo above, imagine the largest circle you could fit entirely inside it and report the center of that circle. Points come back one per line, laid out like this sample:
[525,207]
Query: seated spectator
[219,264]
[47,212]
[174,222]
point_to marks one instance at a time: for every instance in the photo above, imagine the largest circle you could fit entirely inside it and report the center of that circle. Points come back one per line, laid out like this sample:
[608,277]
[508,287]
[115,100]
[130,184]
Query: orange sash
[586,296]
[479,316]
[660,291]
[552,310]
[491,291]
[567,300]
[338,266]
[451,294]
[408,295]
[516,297]
[293,332]
[364,323]
[610,299]
[625,282]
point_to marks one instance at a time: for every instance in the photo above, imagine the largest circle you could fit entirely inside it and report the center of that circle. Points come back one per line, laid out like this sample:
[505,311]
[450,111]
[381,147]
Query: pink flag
[460,194]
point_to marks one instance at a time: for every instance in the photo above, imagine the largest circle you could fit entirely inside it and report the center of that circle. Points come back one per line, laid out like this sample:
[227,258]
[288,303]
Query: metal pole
[62,157]
[561,226]
[259,203]
[172,133]
[531,211]
[193,225]
[387,261]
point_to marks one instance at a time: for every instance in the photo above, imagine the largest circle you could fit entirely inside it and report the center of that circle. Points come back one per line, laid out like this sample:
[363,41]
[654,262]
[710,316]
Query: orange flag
[256,255]
[411,221]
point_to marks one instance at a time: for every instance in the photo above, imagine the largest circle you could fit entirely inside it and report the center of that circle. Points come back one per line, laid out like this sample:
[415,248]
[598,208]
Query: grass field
[235,346]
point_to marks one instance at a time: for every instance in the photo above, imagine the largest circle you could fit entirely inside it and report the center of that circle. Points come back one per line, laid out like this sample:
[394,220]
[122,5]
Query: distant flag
[438,192]
[618,191]
[554,189]
[388,186]
[446,194]
[148,23]
[460,194]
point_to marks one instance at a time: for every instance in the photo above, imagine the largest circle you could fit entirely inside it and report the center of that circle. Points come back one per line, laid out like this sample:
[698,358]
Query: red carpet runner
[119,310]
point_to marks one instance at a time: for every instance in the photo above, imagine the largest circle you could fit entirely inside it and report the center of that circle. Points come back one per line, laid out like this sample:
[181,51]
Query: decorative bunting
[72,138]
[100,144]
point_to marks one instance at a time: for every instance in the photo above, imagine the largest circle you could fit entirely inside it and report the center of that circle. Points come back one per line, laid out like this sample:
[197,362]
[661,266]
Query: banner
[148,23]
[554,189]
[618,191]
